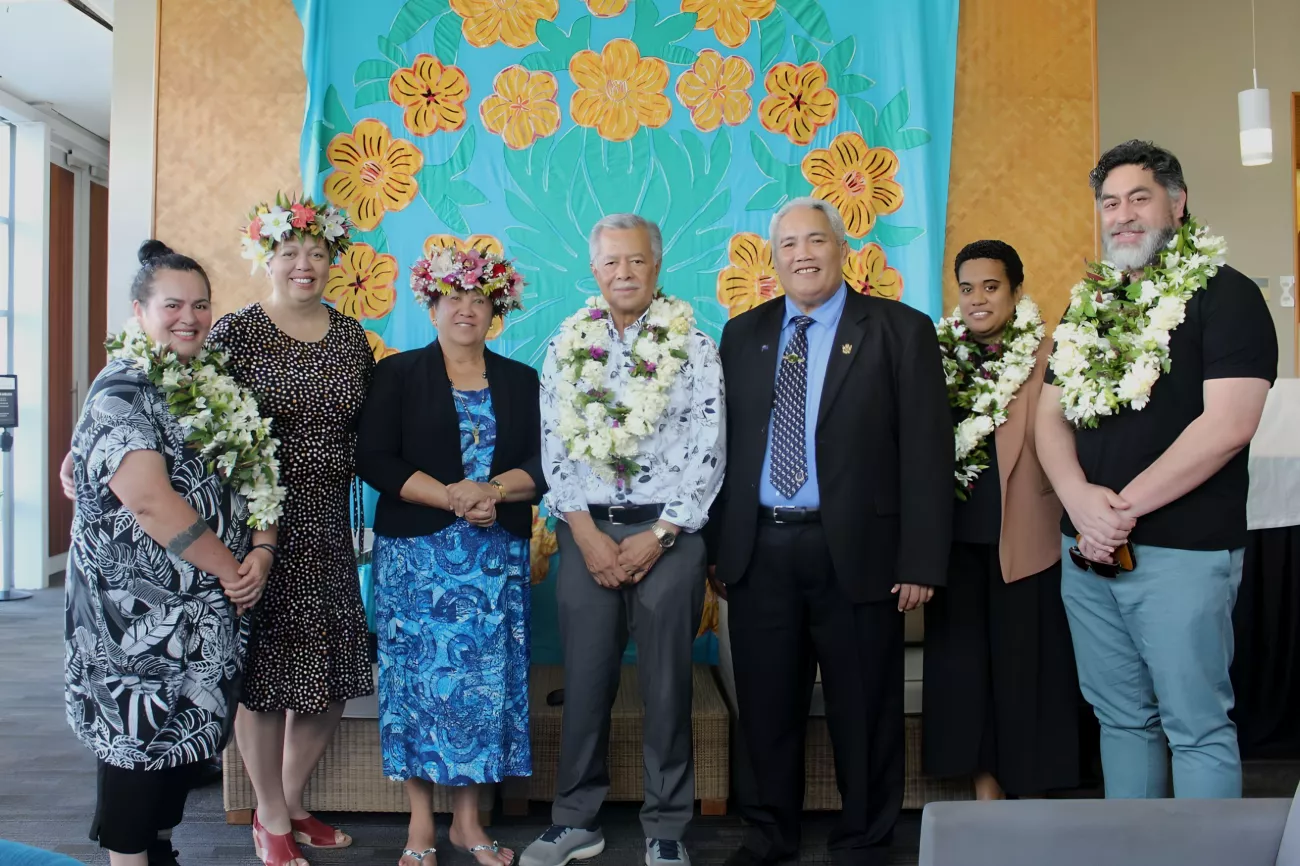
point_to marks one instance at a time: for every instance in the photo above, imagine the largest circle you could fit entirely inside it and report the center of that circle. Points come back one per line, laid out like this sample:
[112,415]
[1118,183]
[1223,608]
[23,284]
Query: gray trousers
[662,613]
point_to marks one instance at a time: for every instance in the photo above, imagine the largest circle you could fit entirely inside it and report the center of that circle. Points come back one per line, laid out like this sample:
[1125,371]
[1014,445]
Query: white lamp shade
[1256,129]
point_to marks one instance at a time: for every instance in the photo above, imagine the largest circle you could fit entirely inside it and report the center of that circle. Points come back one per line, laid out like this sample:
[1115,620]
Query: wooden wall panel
[1024,139]
[97,315]
[231,97]
[62,253]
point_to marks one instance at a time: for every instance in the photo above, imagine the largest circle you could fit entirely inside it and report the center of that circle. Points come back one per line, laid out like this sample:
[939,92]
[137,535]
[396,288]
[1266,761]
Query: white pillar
[131,133]
[31,354]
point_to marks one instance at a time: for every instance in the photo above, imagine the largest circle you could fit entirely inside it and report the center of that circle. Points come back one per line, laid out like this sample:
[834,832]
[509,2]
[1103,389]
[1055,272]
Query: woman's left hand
[484,514]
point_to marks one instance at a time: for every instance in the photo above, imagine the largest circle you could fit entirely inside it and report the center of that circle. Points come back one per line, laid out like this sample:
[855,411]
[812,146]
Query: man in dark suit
[833,520]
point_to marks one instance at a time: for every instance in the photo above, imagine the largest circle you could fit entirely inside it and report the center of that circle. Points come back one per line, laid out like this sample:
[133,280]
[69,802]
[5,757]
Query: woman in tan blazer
[1000,695]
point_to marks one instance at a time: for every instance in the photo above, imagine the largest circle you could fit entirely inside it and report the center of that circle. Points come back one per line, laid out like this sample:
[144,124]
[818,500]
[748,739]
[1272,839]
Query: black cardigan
[409,424]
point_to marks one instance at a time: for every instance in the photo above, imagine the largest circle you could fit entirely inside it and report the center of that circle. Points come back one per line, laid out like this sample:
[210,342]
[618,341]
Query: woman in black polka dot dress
[309,367]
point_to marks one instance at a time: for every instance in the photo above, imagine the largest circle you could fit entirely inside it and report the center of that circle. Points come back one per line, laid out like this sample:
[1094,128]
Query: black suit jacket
[884,446]
[409,424]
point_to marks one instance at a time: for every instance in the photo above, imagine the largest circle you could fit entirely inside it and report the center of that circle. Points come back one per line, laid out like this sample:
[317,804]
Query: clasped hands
[613,564]
[245,590]
[1103,520]
[474,501]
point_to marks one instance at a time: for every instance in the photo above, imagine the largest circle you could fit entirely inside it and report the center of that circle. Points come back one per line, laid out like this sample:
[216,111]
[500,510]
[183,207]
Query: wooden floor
[47,781]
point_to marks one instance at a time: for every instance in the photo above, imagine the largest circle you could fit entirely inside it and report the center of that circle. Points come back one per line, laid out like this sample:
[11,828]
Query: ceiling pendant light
[1252,113]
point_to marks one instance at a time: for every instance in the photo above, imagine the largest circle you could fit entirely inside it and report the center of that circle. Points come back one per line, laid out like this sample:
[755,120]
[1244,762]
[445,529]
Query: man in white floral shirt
[632,448]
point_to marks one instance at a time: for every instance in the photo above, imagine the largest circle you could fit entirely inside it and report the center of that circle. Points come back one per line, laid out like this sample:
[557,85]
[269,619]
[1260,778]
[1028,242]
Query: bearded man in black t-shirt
[1159,375]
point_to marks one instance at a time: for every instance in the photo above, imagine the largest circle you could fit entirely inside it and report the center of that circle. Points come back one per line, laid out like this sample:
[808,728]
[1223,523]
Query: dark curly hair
[1164,165]
[996,250]
[156,256]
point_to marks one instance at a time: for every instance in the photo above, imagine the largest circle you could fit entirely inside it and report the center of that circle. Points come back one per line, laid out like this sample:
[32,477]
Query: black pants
[788,614]
[135,804]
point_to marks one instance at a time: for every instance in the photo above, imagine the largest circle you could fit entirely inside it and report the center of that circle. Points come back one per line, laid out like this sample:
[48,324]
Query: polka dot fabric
[309,638]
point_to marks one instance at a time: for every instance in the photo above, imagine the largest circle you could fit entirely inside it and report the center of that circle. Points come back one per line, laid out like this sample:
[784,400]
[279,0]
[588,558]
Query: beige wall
[1024,137]
[227,130]
[1169,70]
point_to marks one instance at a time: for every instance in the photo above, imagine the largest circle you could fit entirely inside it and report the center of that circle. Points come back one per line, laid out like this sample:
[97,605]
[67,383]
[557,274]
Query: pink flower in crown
[255,229]
[303,216]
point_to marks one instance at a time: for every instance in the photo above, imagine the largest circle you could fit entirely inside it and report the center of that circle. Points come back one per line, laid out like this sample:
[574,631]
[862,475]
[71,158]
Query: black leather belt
[625,515]
[783,514]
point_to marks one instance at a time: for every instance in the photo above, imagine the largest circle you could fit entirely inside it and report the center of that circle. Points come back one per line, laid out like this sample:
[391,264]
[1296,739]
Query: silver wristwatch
[667,538]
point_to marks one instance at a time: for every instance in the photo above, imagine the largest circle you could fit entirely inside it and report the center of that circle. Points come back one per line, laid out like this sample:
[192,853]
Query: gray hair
[624,221]
[832,216]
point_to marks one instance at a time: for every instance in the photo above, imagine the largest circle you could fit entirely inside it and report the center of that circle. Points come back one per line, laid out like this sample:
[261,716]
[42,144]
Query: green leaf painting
[412,18]
[560,46]
[446,38]
[392,51]
[656,38]
[809,15]
[443,189]
[787,181]
[771,38]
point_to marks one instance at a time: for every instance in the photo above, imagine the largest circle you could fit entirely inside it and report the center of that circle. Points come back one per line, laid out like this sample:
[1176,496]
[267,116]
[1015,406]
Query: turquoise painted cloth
[459,123]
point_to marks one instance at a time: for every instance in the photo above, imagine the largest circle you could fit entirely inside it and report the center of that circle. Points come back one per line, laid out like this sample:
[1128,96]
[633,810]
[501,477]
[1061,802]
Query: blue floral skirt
[452,616]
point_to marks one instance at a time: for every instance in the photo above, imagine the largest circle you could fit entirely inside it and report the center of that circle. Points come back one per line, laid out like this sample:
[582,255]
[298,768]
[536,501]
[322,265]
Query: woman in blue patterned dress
[450,437]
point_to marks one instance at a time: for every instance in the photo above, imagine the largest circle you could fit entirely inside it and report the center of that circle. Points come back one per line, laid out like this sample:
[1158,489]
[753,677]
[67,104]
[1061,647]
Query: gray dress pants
[662,614]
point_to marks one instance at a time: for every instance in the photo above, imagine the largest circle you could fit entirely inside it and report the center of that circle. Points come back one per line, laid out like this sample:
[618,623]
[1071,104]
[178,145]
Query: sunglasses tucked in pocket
[1125,560]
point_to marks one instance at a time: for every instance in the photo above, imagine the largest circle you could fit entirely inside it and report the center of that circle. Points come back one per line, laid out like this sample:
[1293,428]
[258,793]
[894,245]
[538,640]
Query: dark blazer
[884,446]
[409,424]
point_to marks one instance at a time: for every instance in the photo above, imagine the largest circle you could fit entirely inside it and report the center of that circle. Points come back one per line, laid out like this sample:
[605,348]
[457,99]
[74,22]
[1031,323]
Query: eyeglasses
[1125,560]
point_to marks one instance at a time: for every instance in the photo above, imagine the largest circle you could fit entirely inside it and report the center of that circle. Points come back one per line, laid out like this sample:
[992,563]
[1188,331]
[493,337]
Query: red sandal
[274,850]
[315,833]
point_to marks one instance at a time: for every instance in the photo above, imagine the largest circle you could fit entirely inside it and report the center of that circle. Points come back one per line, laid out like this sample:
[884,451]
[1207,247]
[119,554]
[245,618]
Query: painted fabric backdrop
[514,125]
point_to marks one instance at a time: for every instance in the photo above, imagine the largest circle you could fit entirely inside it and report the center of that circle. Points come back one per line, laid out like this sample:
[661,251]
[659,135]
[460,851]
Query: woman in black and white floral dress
[163,563]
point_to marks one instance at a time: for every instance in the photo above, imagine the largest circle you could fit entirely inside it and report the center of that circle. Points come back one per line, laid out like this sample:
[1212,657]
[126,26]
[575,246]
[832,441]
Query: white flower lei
[985,379]
[597,427]
[1113,342]
[221,420]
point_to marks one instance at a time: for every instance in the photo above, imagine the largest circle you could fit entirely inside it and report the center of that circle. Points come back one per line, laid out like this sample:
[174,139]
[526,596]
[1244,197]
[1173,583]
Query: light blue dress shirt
[821,339]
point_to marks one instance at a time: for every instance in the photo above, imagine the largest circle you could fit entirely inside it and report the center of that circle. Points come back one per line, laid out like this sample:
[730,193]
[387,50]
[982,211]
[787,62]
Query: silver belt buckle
[780,510]
[615,511]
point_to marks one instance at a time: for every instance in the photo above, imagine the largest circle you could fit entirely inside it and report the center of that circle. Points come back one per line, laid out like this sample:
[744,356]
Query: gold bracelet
[501,488]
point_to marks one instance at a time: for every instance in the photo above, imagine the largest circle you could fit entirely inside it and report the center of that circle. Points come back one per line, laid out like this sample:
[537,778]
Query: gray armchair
[1255,832]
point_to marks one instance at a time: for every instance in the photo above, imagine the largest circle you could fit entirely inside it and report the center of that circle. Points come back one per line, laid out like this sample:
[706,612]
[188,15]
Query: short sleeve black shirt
[1228,333]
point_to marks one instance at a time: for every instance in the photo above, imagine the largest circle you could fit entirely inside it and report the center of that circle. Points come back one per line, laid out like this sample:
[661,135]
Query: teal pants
[1153,647]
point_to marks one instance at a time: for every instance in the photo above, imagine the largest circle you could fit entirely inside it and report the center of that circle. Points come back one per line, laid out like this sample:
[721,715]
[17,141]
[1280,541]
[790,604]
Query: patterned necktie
[789,462]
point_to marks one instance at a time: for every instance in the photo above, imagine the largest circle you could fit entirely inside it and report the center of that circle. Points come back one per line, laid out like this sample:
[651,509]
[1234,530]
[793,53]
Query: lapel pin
[764,349]
[847,348]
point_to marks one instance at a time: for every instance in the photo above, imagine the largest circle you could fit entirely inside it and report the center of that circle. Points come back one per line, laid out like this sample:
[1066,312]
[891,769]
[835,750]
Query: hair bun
[153,249]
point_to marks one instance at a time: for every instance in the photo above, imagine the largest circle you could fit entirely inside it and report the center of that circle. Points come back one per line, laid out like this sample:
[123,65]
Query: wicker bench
[710,725]
[349,777]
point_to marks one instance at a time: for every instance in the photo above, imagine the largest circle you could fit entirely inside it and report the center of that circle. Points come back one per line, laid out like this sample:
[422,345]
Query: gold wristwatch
[500,488]
[667,538]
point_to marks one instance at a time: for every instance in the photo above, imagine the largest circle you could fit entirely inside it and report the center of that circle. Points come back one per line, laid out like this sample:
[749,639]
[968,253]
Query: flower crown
[444,271]
[270,224]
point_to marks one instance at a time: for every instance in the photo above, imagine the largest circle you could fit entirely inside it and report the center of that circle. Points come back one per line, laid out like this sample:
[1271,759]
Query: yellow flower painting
[750,278]
[360,285]
[619,91]
[377,347]
[730,20]
[867,271]
[798,101]
[374,173]
[432,94]
[857,179]
[513,22]
[715,90]
[522,107]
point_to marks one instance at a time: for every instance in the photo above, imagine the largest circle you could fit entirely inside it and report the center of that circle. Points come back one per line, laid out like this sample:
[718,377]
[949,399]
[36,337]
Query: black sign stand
[8,421]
